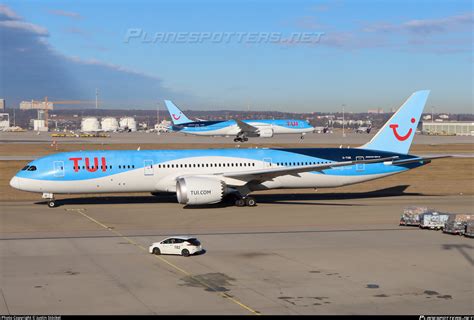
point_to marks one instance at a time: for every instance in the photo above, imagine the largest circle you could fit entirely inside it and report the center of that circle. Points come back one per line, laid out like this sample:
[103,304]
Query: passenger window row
[238,164]
[302,163]
[207,165]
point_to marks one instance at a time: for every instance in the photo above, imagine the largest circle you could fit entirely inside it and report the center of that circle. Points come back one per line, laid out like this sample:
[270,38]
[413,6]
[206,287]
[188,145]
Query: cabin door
[267,163]
[360,166]
[58,169]
[148,167]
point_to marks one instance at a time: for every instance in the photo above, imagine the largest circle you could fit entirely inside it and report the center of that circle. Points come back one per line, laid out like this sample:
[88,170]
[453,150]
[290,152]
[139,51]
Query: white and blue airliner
[200,177]
[240,129]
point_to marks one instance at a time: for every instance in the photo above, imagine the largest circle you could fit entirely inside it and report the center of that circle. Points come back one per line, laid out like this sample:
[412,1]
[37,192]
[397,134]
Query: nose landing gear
[51,201]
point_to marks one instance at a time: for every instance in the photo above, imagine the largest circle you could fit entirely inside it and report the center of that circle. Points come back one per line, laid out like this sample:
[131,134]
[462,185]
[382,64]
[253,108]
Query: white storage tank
[109,124]
[90,124]
[128,123]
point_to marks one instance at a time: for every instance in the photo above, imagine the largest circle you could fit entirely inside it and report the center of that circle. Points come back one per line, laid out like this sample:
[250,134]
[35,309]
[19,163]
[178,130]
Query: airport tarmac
[331,251]
[31,137]
[289,255]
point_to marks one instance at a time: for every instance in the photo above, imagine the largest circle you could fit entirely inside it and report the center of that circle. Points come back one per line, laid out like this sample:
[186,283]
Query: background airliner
[208,176]
[241,129]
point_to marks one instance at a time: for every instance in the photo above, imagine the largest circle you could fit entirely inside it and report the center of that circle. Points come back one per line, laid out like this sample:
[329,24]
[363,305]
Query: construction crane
[62,102]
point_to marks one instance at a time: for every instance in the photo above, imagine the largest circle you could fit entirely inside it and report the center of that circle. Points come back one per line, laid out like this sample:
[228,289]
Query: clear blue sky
[372,53]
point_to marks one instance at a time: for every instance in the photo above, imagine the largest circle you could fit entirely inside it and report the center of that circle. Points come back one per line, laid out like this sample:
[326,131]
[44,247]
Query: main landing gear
[51,201]
[241,137]
[245,201]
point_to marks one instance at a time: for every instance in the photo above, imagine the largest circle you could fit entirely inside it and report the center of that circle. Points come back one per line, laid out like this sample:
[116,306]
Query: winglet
[397,134]
[177,116]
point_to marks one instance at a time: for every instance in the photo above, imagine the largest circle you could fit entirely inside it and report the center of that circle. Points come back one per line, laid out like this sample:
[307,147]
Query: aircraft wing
[268,173]
[245,127]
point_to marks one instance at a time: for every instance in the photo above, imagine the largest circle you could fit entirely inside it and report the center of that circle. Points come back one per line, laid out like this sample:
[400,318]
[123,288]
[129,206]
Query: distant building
[163,126]
[2,104]
[458,128]
[4,121]
[39,125]
[427,117]
[444,116]
[38,105]
[378,110]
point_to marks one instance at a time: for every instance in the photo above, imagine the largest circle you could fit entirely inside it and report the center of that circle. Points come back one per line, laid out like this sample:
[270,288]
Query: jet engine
[266,132]
[200,190]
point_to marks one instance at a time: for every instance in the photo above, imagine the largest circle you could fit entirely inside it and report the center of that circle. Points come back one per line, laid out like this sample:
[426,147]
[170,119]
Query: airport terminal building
[458,128]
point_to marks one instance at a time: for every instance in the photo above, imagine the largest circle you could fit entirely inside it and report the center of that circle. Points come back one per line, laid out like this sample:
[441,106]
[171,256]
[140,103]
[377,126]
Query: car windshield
[194,242]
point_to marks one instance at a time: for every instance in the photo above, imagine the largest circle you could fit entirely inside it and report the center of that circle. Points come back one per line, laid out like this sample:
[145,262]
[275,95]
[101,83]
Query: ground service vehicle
[456,223]
[180,245]
[433,220]
[411,216]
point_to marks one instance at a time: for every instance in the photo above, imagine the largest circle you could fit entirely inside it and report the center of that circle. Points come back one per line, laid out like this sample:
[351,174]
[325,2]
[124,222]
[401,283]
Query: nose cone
[15,182]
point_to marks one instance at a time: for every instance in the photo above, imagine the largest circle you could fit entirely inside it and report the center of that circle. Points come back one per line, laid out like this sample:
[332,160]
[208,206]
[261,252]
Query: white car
[181,245]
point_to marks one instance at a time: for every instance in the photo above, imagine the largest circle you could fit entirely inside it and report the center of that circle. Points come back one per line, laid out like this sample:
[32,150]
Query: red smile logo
[176,117]
[399,137]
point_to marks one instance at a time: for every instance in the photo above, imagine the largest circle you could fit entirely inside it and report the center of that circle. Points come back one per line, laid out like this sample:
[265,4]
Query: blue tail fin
[397,134]
[177,116]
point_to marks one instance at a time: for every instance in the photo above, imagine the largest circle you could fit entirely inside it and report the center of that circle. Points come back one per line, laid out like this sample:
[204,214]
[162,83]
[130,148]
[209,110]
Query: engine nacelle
[200,190]
[266,132]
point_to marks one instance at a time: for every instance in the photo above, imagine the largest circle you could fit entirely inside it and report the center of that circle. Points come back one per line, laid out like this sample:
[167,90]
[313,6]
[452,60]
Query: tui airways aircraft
[208,176]
[241,129]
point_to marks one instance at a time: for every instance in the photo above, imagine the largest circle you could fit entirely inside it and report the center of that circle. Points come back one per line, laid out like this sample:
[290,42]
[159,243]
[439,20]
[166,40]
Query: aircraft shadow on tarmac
[277,198]
[287,198]
[464,249]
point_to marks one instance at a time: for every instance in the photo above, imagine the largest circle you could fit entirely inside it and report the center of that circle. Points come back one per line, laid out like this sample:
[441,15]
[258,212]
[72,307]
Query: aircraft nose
[15,182]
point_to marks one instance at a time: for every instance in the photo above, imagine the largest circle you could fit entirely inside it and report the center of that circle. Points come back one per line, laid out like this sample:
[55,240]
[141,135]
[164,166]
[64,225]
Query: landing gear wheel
[245,139]
[237,140]
[156,251]
[249,201]
[51,204]
[185,253]
[240,203]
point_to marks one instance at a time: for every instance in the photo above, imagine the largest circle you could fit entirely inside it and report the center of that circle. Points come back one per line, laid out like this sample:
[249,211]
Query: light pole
[343,121]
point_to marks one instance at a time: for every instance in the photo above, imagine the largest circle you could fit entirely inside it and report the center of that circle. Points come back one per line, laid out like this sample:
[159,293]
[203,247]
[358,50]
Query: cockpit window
[32,168]
[25,168]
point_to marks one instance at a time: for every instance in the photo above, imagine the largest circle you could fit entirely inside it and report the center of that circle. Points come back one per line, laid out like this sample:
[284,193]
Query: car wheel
[185,253]
[156,251]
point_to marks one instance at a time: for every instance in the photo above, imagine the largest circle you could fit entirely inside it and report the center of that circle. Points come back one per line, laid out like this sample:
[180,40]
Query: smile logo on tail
[176,117]
[398,136]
